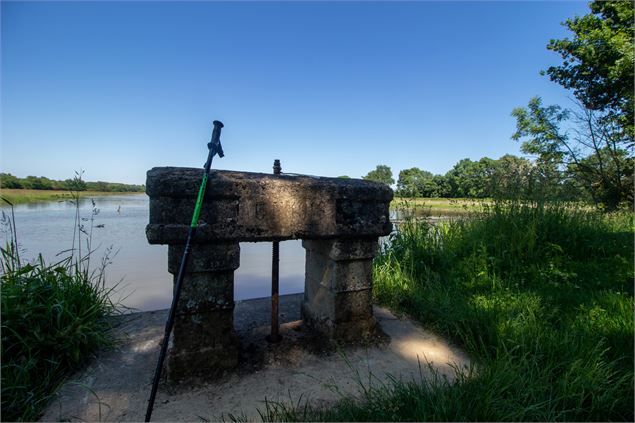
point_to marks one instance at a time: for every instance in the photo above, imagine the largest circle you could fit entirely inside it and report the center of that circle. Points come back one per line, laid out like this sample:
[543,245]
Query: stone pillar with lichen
[339,220]
[338,288]
[204,343]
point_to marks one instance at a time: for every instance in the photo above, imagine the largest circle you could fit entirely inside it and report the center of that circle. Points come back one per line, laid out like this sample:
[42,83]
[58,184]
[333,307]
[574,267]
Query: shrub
[53,317]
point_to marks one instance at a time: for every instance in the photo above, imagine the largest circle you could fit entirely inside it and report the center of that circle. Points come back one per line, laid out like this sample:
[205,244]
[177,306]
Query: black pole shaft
[275,277]
[170,322]
[214,148]
[275,250]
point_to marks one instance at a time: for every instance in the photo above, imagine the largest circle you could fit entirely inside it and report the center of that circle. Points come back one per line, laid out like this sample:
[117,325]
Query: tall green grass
[53,317]
[540,297]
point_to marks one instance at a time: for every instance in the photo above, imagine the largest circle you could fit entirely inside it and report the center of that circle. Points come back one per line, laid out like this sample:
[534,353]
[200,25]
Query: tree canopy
[597,63]
[590,145]
[382,173]
[7,180]
[507,177]
[413,182]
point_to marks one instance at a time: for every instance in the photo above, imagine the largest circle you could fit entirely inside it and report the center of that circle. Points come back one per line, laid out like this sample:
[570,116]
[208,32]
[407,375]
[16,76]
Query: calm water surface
[47,228]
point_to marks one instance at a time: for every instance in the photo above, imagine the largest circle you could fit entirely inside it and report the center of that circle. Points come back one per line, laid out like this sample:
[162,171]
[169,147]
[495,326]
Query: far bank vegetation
[42,183]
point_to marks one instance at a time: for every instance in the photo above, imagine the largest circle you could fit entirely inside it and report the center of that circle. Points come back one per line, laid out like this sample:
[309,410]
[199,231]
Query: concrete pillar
[338,288]
[342,217]
[203,342]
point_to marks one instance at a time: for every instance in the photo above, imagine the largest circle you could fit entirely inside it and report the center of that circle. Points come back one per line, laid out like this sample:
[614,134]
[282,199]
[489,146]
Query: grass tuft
[541,297]
[52,319]
[54,316]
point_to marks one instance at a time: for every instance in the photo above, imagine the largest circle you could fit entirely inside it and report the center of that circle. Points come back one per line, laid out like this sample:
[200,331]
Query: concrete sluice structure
[338,220]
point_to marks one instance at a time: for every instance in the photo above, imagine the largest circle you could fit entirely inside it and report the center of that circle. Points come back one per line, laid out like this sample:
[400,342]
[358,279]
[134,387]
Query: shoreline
[26,196]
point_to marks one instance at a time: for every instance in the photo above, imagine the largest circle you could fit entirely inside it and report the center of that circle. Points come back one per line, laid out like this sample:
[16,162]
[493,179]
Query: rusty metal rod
[275,279]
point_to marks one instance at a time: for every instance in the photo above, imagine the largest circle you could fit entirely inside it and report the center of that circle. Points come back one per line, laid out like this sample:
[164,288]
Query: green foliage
[516,287]
[34,182]
[443,188]
[540,297]
[598,61]
[42,183]
[30,182]
[7,180]
[413,182]
[512,177]
[53,317]
[591,155]
[471,179]
[113,187]
[508,177]
[597,149]
[382,173]
[542,124]
[75,184]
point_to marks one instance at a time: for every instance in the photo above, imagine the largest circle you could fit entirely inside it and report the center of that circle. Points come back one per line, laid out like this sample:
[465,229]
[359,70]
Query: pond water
[139,268]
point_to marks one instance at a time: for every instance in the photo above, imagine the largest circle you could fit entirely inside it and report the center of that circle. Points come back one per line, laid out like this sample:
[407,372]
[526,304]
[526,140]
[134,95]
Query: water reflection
[139,269]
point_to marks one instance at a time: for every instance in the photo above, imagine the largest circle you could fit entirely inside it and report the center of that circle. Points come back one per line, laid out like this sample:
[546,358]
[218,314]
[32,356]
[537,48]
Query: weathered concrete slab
[116,385]
[247,206]
[340,221]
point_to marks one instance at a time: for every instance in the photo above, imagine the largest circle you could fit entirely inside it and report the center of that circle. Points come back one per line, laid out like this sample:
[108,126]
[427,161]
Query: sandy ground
[116,384]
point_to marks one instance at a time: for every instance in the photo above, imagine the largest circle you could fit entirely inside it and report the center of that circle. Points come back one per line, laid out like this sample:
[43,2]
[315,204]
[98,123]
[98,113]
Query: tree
[75,184]
[444,188]
[7,180]
[427,186]
[471,179]
[591,152]
[593,143]
[512,177]
[35,182]
[99,186]
[598,62]
[382,173]
[415,182]
[409,182]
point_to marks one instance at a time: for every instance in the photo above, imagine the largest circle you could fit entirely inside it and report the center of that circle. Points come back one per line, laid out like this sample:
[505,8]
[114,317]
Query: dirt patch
[116,385]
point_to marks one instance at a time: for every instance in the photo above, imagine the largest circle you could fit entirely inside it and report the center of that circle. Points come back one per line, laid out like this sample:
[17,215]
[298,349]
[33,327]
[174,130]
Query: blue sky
[329,88]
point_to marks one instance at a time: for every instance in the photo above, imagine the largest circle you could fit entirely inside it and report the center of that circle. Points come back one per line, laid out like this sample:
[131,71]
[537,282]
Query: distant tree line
[7,180]
[580,153]
[507,177]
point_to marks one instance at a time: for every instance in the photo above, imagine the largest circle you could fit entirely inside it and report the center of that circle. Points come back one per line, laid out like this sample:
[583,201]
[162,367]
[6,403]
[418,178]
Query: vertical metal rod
[275,266]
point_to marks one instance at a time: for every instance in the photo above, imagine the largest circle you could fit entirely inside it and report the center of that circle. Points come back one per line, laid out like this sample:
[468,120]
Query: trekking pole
[214,148]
